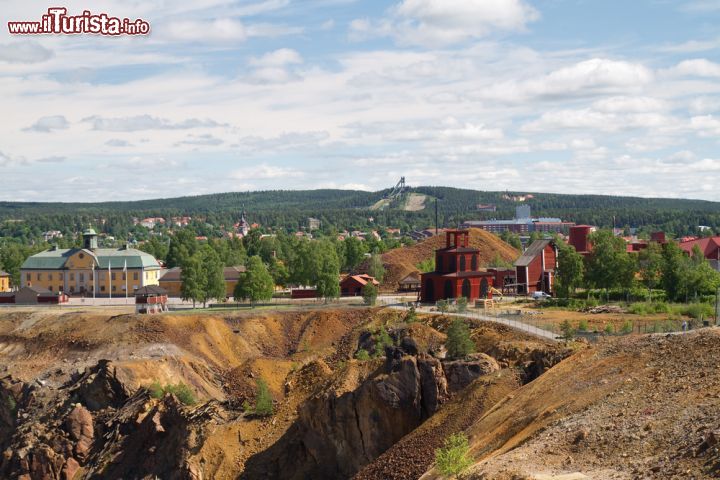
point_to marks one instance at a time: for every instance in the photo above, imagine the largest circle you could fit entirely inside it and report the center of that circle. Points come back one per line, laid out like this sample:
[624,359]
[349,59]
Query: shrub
[583,326]
[442,306]
[461,304]
[646,308]
[411,316]
[627,327]
[263,399]
[696,310]
[452,458]
[370,294]
[11,405]
[459,343]
[247,408]
[567,330]
[156,390]
[609,328]
[382,340]
[362,355]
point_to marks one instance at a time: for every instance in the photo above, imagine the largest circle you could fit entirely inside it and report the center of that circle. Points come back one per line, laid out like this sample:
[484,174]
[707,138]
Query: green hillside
[348,209]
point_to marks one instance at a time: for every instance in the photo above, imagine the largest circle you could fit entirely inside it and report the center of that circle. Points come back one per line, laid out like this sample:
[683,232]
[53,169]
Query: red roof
[709,246]
[363,279]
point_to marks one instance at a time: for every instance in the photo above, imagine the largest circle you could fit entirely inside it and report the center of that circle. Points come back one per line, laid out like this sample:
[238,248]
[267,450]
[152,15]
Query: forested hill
[346,209]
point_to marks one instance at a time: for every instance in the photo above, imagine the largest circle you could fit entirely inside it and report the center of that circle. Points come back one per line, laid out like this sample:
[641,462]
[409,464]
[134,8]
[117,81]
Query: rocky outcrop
[79,424]
[93,425]
[460,373]
[100,387]
[13,395]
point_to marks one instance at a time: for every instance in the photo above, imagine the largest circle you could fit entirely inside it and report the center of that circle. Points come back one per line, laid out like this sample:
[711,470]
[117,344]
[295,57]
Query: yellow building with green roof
[4,281]
[91,270]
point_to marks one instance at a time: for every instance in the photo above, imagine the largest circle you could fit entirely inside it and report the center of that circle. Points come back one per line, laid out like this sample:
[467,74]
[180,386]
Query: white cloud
[705,105]
[471,15]
[469,131]
[24,52]
[145,122]
[692,46]
[274,67]
[265,171]
[595,75]
[206,139]
[286,141]
[206,31]
[278,58]
[700,6]
[443,22]
[699,67]
[116,142]
[630,104]
[706,125]
[652,143]
[49,124]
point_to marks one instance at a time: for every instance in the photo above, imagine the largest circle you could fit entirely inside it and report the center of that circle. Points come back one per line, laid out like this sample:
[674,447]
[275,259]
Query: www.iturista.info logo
[57,21]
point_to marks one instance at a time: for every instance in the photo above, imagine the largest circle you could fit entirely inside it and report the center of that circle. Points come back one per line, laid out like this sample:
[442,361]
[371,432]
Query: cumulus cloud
[277,58]
[24,52]
[274,67]
[433,22]
[49,124]
[145,122]
[699,67]
[594,75]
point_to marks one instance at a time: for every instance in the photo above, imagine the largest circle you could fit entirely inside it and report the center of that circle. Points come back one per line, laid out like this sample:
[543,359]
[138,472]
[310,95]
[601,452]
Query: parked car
[540,295]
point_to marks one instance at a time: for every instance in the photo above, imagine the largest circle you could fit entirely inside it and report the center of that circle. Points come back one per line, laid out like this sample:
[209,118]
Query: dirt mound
[403,261]
[639,407]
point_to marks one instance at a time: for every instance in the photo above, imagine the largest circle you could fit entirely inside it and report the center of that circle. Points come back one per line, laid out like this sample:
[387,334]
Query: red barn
[710,247]
[535,269]
[352,285]
[456,272]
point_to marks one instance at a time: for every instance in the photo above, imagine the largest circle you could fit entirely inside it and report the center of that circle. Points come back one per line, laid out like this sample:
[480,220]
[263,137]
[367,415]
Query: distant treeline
[348,209]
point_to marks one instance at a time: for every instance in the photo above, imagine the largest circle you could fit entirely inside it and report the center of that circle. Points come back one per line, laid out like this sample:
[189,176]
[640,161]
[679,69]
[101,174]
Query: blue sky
[568,96]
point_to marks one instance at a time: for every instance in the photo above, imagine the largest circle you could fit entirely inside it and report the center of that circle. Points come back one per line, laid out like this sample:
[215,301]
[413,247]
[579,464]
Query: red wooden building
[456,272]
[352,285]
[535,269]
[579,239]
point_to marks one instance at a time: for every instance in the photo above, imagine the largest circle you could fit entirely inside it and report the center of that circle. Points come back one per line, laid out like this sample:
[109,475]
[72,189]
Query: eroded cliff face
[340,431]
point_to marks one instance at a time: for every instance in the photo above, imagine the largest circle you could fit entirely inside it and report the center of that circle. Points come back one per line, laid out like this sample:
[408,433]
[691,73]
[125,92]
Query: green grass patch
[452,458]
[180,390]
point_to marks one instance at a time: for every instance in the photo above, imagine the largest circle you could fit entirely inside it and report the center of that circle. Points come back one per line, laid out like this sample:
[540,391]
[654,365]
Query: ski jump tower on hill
[398,189]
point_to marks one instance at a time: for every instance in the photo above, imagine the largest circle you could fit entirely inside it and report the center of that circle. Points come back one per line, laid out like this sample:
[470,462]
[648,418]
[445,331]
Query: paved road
[532,330]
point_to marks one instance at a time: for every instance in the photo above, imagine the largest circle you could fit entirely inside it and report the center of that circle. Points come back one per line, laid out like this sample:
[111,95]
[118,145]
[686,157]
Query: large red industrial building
[456,272]
[535,269]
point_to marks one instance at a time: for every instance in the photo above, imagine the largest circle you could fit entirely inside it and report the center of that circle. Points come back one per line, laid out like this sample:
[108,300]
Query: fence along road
[531,329]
